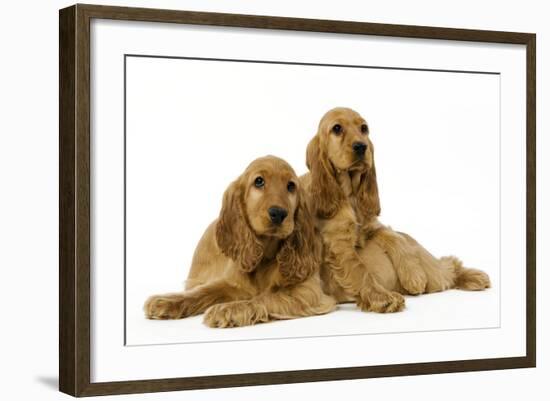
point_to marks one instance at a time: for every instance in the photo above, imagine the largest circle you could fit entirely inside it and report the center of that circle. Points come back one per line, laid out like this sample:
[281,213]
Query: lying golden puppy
[258,261]
[365,261]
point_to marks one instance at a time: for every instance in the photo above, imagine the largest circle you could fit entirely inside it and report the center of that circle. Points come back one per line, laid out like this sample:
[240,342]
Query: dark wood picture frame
[74,199]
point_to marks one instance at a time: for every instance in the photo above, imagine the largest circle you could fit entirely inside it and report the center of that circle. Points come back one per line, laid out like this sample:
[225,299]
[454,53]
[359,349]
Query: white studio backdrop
[188,138]
[192,126]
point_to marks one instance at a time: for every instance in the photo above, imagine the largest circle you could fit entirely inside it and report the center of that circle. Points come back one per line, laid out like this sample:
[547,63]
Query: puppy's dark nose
[359,148]
[277,214]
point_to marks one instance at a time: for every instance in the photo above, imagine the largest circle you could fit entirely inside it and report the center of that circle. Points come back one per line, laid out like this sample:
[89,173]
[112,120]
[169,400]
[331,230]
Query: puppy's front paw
[166,307]
[381,301]
[235,314]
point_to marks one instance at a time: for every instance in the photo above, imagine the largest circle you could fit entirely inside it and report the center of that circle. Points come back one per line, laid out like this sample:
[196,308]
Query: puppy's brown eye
[337,129]
[259,182]
[291,186]
[364,128]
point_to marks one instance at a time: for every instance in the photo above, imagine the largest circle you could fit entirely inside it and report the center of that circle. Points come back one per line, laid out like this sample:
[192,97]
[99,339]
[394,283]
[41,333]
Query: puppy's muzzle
[359,148]
[277,214]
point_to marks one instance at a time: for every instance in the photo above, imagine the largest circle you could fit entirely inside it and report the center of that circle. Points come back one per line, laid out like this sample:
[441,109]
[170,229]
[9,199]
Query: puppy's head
[344,135]
[270,196]
[265,202]
[342,145]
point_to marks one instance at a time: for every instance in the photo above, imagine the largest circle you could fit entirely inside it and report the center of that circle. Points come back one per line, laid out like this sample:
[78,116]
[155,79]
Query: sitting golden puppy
[365,261]
[257,262]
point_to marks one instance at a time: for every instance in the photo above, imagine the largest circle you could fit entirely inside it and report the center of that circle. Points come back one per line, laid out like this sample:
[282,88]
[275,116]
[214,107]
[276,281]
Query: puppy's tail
[462,277]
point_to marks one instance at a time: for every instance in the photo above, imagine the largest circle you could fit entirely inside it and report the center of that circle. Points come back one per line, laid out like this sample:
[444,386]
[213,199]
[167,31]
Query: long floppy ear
[326,194]
[368,198]
[300,254]
[233,233]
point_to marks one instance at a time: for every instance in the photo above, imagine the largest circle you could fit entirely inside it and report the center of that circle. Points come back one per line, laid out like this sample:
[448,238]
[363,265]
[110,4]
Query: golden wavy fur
[253,264]
[365,261]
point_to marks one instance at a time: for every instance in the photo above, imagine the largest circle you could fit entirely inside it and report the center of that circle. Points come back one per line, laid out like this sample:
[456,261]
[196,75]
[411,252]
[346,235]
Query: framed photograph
[222,222]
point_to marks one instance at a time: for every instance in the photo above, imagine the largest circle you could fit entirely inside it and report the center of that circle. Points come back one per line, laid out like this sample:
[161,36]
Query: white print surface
[193,126]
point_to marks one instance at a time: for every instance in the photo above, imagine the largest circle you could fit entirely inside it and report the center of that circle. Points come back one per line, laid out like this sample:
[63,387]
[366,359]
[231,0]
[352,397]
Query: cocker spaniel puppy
[365,261]
[257,262]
